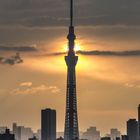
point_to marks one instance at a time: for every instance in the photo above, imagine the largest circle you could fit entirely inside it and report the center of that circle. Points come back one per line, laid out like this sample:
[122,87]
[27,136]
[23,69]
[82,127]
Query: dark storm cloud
[18,48]
[35,13]
[100,53]
[55,54]
[11,60]
[111,53]
[16,59]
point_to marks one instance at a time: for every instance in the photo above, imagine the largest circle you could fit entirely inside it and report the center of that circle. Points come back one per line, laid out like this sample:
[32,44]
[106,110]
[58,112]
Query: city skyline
[108,79]
[49,121]
[48,130]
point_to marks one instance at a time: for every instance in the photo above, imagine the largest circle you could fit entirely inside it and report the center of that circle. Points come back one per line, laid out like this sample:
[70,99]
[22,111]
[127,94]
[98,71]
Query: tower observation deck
[71,131]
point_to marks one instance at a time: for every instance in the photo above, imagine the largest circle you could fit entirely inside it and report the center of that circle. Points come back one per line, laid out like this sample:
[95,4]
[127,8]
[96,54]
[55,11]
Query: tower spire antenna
[71,36]
[71,12]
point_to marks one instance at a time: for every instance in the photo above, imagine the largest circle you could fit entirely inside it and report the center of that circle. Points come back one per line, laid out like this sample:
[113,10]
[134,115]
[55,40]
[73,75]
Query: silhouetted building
[132,129]
[71,118]
[124,137]
[21,132]
[60,138]
[139,122]
[117,138]
[7,135]
[59,134]
[48,124]
[16,131]
[34,138]
[2,129]
[91,134]
[114,133]
[38,134]
[105,138]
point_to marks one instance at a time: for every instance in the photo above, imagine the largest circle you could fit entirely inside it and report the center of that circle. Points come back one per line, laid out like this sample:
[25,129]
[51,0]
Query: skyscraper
[71,119]
[21,132]
[48,124]
[132,129]
[139,122]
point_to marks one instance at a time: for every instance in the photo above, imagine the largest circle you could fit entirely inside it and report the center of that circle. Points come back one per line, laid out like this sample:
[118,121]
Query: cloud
[54,54]
[100,53]
[18,48]
[129,85]
[11,60]
[111,53]
[135,84]
[45,13]
[26,84]
[28,88]
[17,58]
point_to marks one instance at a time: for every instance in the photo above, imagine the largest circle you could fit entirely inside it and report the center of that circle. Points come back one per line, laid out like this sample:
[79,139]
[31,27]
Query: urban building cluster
[48,130]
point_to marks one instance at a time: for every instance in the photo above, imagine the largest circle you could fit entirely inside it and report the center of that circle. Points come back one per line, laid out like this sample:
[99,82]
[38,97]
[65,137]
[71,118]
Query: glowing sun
[76,48]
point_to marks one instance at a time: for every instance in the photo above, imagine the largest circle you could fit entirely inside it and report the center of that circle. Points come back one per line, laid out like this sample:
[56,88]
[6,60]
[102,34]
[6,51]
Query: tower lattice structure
[71,131]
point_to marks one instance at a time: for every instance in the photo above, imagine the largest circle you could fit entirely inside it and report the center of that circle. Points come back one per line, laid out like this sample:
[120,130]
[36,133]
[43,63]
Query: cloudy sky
[108,78]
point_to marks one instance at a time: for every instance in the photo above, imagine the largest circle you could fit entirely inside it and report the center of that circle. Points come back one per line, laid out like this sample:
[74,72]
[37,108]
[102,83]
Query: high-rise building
[16,131]
[38,134]
[2,129]
[132,129]
[48,124]
[139,122]
[71,131]
[91,134]
[124,137]
[21,132]
[7,135]
[114,133]
[59,134]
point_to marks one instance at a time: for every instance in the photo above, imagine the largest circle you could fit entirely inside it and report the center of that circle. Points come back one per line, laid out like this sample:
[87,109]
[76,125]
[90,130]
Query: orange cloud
[27,88]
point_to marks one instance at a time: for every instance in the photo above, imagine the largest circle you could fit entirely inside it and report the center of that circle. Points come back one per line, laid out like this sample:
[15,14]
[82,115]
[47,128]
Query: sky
[108,78]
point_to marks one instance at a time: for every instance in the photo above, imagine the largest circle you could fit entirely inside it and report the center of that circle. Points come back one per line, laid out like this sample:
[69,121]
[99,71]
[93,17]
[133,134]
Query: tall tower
[71,119]
[139,122]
